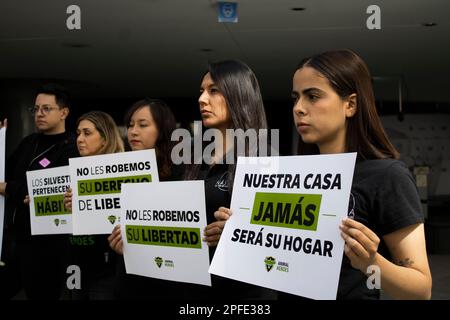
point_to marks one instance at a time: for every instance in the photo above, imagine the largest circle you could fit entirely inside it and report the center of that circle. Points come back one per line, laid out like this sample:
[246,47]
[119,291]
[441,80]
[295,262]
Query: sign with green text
[284,231]
[46,190]
[162,227]
[96,186]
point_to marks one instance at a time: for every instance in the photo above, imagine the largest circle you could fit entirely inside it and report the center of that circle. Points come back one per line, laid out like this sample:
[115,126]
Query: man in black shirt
[39,259]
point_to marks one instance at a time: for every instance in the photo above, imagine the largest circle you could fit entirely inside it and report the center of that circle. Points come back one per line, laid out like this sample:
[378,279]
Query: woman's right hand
[115,240]
[68,199]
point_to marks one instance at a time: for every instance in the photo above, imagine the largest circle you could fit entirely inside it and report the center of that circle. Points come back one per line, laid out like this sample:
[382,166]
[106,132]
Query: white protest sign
[46,190]
[162,227]
[284,231]
[2,179]
[96,184]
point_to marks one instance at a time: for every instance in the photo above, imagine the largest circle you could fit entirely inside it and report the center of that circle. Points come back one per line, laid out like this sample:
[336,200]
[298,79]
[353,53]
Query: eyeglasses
[44,108]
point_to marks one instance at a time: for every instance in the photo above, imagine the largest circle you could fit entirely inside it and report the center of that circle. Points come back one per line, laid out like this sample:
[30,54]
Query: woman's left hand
[68,199]
[214,230]
[115,240]
[361,244]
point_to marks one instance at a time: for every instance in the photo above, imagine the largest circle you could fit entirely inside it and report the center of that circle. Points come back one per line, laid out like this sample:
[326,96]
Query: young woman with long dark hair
[334,112]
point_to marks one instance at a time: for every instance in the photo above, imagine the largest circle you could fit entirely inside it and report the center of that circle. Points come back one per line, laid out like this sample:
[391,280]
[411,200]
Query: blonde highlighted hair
[108,130]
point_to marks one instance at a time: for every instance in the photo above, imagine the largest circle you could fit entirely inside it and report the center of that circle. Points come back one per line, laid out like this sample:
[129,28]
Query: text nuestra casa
[328,181]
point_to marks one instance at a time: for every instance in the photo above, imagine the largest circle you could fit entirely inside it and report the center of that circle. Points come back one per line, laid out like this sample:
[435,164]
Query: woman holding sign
[230,98]
[334,112]
[97,134]
[150,123]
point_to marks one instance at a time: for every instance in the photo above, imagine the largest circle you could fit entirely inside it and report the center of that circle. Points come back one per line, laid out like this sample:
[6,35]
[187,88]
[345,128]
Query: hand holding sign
[222,214]
[68,199]
[214,230]
[361,244]
[115,240]
[284,233]
[4,124]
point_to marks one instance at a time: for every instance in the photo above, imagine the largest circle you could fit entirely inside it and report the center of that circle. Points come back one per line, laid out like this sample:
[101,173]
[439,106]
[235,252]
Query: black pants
[42,263]
[10,280]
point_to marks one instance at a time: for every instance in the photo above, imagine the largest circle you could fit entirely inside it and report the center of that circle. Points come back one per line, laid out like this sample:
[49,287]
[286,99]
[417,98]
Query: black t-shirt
[383,197]
[217,192]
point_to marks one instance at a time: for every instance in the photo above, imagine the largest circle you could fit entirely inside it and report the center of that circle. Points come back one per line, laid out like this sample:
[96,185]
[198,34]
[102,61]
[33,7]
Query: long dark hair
[241,91]
[349,74]
[240,88]
[165,122]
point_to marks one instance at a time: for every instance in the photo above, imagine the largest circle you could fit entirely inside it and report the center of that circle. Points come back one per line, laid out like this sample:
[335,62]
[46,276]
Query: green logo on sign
[112,219]
[159,261]
[56,222]
[270,262]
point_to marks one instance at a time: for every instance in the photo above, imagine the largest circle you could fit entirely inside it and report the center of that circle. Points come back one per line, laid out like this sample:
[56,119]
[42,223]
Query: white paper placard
[162,231]
[46,190]
[96,183]
[284,231]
